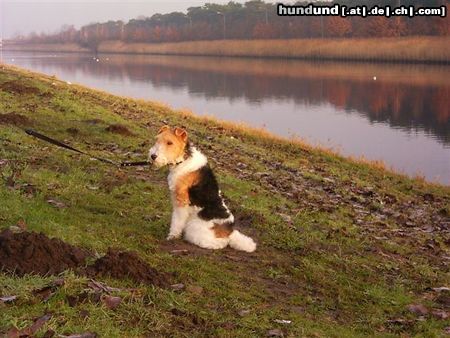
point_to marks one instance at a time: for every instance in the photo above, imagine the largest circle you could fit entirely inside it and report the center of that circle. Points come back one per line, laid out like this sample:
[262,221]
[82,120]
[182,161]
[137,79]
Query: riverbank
[408,49]
[345,248]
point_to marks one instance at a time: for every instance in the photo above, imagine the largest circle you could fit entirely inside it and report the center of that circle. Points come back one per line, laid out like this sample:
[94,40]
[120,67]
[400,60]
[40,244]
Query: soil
[119,129]
[16,87]
[14,119]
[127,264]
[31,252]
[73,131]
[182,248]
[35,253]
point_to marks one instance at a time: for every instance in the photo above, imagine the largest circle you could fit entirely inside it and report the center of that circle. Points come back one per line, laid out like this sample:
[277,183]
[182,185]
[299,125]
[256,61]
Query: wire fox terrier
[198,207]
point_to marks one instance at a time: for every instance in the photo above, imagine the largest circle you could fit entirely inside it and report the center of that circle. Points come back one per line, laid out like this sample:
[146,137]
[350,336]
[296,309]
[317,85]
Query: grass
[405,49]
[344,247]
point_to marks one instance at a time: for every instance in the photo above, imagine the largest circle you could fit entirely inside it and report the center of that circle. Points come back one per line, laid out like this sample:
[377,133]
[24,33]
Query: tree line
[255,19]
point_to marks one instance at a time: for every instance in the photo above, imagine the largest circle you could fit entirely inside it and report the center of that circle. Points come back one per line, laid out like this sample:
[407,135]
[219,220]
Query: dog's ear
[181,133]
[163,128]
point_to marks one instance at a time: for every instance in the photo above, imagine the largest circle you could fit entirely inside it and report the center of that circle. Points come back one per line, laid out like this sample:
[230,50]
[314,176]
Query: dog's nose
[154,156]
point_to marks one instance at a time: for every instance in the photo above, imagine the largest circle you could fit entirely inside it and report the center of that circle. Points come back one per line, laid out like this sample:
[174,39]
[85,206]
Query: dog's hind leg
[180,216]
[199,232]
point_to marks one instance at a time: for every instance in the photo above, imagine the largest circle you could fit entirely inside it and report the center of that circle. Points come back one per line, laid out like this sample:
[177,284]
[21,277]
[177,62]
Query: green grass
[342,247]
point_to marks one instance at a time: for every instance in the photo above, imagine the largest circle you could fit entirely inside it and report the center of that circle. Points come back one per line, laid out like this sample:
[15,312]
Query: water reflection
[413,99]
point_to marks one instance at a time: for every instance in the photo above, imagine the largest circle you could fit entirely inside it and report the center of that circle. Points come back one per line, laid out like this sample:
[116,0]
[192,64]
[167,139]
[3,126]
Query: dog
[199,210]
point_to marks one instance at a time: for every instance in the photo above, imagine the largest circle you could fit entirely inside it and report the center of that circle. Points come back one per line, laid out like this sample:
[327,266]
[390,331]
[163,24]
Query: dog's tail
[239,241]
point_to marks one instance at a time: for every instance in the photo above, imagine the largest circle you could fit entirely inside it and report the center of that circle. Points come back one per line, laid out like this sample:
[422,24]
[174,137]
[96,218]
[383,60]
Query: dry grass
[409,49]
[414,49]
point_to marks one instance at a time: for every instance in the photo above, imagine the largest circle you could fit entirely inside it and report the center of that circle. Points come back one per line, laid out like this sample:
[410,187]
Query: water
[398,114]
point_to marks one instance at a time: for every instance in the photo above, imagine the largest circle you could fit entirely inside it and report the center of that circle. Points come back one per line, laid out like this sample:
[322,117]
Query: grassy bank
[344,248]
[408,49]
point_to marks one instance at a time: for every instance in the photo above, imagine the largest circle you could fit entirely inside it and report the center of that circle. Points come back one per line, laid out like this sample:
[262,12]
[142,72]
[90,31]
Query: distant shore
[54,47]
[408,49]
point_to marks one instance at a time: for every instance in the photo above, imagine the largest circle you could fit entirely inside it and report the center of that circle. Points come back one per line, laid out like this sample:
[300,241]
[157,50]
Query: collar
[186,155]
[178,162]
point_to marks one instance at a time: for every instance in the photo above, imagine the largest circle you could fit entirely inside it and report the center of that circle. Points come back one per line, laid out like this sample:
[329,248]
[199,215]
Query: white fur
[185,219]
[239,241]
[180,216]
[199,232]
[161,160]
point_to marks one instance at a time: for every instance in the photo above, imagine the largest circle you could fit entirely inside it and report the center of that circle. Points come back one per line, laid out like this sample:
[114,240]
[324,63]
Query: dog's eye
[169,143]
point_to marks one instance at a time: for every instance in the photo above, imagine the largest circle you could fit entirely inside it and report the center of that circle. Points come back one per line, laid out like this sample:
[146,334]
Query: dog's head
[170,146]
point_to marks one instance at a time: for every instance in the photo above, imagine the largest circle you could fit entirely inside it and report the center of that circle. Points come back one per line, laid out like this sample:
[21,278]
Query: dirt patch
[35,253]
[119,129]
[73,131]
[188,321]
[31,252]
[127,264]
[14,119]
[182,248]
[244,221]
[16,87]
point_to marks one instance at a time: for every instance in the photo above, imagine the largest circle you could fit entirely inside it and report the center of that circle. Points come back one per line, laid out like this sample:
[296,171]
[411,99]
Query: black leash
[63,145]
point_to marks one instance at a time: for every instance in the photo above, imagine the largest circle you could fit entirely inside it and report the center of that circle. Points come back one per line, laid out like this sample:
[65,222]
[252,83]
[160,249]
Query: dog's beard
[158,165]
[161,162]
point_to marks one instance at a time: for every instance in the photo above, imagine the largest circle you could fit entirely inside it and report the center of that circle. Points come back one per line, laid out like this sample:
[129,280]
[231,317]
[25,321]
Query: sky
[25,16]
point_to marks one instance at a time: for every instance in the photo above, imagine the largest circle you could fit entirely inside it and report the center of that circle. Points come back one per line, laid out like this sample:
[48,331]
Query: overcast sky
[23,17]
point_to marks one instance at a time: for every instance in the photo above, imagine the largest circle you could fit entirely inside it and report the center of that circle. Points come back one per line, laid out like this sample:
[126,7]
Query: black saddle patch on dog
[205,194]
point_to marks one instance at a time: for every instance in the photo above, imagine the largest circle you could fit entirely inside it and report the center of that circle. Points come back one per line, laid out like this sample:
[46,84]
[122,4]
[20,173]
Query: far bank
[408,49]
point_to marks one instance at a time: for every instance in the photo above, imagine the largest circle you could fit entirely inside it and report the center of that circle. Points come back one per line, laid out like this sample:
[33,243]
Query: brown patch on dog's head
[181,134]
[170,146]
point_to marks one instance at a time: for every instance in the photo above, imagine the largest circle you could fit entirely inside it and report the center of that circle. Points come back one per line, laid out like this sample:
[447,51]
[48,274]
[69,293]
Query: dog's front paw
[173,236]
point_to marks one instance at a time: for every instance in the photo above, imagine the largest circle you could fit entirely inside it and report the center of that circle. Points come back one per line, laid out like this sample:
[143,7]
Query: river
[398,114]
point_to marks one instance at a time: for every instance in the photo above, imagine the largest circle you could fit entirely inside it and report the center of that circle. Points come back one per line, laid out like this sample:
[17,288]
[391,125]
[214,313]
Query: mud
[31,252]
[35,253]
[127,265]
[73,131]
[119,129]
[14,119]
[16,87]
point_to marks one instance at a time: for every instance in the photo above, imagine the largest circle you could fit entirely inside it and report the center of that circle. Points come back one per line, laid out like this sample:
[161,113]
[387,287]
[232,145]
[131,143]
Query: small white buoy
[97,60]
[374,78]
